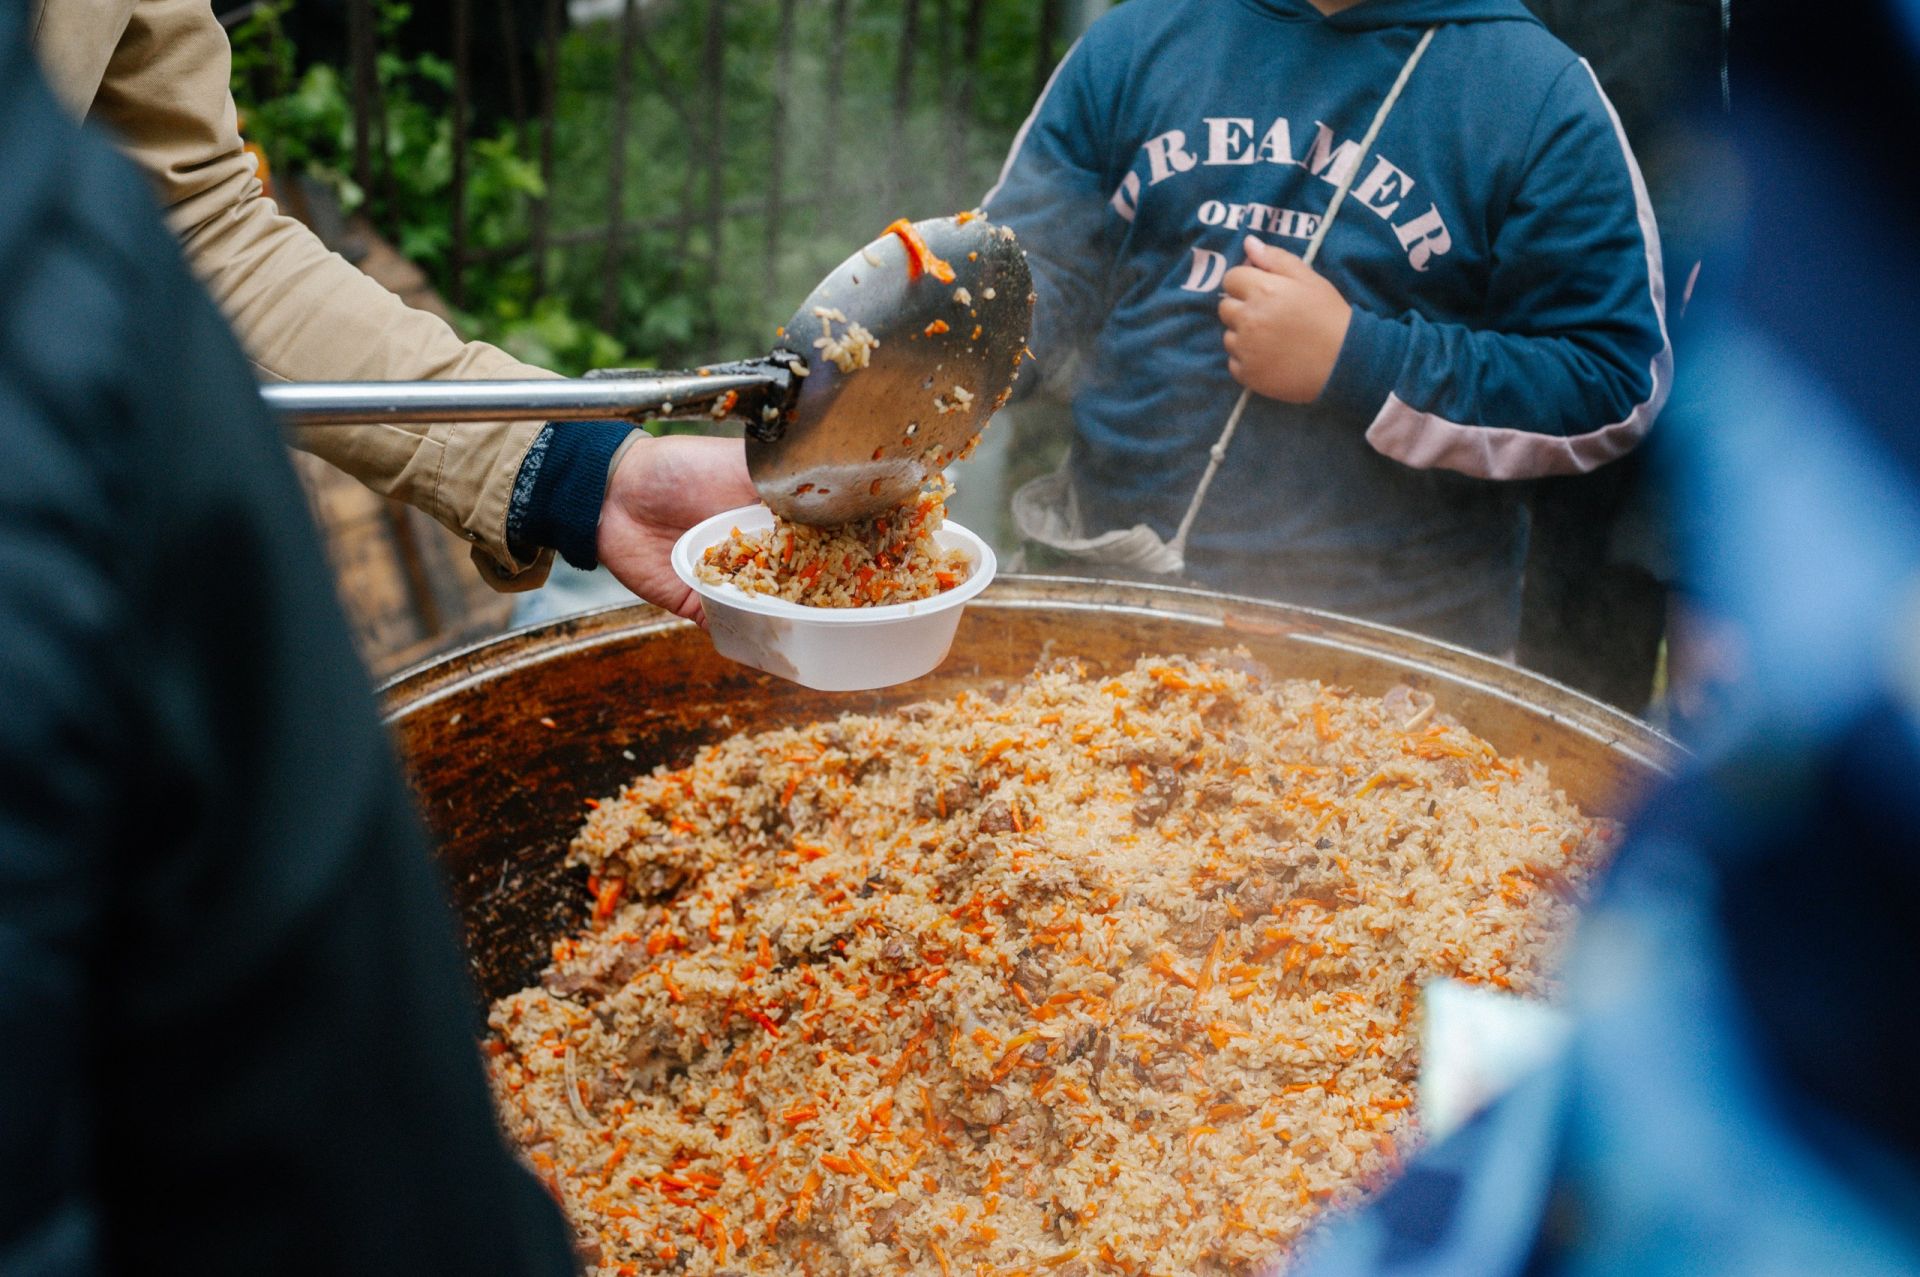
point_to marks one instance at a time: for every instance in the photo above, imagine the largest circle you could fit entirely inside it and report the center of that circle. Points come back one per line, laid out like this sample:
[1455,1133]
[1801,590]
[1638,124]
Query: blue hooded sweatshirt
[1497,247]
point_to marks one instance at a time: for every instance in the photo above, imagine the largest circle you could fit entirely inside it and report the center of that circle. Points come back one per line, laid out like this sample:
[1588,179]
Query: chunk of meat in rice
[885,1222]
[1290,872]
[657,879]
[1032,979]
[1161,792]
[1220,712]
[898,953]
[981,1106]
[1406,708]
[654,1054]
[945,799]
[1215,795]
[1030,1128]
[1049,884]
[1241,662]
[996,818]
[605,971]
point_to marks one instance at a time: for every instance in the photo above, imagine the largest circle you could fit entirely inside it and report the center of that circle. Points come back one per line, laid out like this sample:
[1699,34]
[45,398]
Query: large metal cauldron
[505,741]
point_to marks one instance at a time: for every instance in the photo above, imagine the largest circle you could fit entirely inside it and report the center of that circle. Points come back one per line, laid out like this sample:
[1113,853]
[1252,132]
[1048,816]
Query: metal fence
[936,66]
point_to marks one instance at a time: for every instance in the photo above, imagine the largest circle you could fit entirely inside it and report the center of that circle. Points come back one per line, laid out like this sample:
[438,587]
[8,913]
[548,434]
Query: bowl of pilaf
[853,607]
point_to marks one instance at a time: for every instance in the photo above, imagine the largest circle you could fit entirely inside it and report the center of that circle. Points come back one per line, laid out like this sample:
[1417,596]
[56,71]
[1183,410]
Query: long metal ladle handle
[755,391]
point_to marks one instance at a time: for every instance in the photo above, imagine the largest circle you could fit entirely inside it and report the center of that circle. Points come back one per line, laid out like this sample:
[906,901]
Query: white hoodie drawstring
[1218,453]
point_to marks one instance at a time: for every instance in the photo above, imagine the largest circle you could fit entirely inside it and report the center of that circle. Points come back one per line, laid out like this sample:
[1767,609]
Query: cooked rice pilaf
[849,351]
[889,558]
[1089,975]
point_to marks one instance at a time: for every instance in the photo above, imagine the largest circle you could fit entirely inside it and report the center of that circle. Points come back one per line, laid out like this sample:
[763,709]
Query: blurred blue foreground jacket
[1738,1096]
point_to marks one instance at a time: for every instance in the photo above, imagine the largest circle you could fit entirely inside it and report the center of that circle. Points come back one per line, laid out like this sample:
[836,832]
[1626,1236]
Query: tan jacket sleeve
[304,313]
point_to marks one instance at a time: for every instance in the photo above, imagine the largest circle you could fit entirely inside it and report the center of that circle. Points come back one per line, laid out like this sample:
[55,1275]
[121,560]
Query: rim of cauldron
[443,673]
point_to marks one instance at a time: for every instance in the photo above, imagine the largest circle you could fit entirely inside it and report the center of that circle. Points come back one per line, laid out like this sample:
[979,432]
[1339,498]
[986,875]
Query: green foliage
[304,124]
[687,288]
[263,59]
[550,336]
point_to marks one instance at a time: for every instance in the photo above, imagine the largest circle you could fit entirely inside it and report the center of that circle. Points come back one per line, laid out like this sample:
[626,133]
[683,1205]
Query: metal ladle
[825,444]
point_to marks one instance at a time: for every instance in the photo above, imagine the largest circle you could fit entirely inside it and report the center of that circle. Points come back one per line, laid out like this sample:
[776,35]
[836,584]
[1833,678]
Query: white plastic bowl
[830,649]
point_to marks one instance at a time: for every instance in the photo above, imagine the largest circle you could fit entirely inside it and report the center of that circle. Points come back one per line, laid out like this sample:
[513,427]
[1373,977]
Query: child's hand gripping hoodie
[1497,248]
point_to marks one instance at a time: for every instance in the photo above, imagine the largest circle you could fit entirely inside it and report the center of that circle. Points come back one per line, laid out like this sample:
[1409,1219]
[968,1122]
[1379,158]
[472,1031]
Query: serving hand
[659,489]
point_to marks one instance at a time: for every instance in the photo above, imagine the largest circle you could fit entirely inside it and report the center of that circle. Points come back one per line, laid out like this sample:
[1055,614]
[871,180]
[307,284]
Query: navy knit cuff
[562,485]
[1369,363]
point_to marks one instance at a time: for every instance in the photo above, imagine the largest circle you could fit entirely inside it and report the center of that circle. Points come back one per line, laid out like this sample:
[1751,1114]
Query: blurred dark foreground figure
[234,1034]
[1737,1096]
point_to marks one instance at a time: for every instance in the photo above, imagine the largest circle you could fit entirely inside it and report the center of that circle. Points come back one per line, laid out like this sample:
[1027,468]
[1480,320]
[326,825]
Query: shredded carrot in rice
[889,558]
[920,258]
[908,989]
